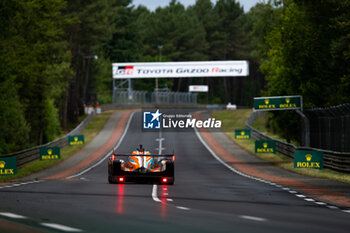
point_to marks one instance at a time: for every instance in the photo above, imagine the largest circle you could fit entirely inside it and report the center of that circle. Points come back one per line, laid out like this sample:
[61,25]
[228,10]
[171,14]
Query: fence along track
[31,154]
[330,127]
[337,161]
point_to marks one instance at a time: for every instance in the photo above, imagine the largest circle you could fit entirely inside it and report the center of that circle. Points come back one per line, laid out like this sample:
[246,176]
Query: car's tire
[110,180]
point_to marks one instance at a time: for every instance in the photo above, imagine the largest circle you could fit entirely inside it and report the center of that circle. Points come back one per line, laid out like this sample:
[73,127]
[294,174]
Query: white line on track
[320,203]
[182,208]
[155,187]
[160,139]
[109,153]
[154,194]
[218,158]
[60,227]
[332,207]
[19,184]
[11,215]
[253,218]
[256,178]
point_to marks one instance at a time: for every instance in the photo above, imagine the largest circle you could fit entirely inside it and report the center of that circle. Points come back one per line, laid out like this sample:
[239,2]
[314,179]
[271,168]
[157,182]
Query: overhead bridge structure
[123,73]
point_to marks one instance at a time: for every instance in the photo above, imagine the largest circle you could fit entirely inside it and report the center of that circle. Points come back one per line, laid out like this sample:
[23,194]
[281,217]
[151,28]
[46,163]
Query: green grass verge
[260,125]
[236,120]
[92,129]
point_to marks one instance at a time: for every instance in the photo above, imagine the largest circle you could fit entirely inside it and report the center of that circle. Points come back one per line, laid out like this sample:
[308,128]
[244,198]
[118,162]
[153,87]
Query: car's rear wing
[114,155]
[153,155]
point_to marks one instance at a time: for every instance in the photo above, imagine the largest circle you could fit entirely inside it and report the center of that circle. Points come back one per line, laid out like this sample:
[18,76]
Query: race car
[141,166]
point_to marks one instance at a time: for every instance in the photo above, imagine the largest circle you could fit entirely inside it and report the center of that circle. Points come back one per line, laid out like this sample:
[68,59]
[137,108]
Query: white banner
[180,69]
[198,88]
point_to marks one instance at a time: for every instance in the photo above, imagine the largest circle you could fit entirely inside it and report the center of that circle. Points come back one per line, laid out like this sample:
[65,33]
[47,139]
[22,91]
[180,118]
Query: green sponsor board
[265,146]
[308,159]
[278,103]
[242,133]
[50,153]
[8,166]
[75,140]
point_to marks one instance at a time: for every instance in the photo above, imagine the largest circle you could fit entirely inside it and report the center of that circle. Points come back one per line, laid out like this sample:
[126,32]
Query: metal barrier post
[306,129]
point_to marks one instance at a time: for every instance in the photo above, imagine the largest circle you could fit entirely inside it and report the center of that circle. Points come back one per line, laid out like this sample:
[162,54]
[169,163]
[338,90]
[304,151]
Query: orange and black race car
[141,166]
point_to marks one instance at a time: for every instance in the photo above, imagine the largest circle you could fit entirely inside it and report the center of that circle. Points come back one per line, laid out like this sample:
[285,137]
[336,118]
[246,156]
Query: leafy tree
[263,17]
[34,44]
[125,45]
[307,55]
[92,30]
[51,119]
[14,129]
[340,51]
[101,82]
[299,55]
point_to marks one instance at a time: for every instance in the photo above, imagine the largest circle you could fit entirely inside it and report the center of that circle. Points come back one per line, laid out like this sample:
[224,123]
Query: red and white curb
[296,193]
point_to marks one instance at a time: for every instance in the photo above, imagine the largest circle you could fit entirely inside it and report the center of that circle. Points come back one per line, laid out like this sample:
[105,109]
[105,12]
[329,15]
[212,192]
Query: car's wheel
[110,180]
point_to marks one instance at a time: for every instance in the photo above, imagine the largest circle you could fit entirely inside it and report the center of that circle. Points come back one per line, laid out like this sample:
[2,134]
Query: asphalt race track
[206,197]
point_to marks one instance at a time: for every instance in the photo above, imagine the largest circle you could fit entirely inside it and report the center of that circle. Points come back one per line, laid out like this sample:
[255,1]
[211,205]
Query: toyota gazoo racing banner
[180,69]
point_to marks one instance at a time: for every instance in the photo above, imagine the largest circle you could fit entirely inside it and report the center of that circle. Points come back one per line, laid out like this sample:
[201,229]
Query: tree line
[45,47]
[49,70]
[204,31]
[303,48]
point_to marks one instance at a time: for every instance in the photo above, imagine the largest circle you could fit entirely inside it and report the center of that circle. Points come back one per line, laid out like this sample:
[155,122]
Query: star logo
[156,115]
[152,120]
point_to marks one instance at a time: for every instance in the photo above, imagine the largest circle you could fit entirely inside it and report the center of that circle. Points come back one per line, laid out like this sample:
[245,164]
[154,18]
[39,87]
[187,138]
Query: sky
[153,4]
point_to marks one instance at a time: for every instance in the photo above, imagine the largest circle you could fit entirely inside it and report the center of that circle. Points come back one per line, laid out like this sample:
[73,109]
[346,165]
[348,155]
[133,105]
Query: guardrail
[337,161]
[31,154]
[28,155]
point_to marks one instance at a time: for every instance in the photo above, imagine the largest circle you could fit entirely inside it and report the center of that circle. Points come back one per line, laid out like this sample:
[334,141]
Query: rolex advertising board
[8,166]
[277,103]
[75,140]
[265,146]
[308,159]
[50,153]
[242,133]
